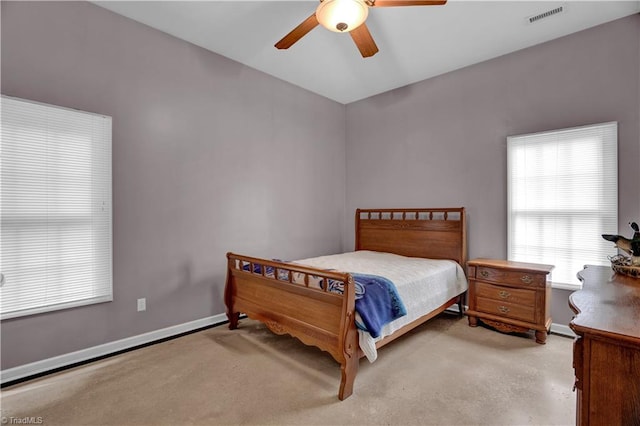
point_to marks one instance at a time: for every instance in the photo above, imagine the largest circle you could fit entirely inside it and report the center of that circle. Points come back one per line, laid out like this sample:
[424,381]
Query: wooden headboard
[428,233]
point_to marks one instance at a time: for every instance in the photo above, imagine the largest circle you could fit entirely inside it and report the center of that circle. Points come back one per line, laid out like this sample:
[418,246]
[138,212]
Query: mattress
[423,284]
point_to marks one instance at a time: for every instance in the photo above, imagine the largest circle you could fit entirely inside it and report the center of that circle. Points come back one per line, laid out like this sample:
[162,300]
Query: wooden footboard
[293,299]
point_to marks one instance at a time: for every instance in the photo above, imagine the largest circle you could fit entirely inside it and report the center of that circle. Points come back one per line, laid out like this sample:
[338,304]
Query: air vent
[548,13]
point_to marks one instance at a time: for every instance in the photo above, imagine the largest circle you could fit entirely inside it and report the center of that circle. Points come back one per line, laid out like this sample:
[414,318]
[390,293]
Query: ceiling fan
[347,16]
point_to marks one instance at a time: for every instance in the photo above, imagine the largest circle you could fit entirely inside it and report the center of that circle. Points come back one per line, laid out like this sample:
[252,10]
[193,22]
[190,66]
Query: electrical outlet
[142,304]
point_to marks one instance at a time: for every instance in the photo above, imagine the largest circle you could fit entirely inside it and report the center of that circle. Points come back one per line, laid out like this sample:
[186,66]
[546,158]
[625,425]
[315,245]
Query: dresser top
[608,304]
[509,264]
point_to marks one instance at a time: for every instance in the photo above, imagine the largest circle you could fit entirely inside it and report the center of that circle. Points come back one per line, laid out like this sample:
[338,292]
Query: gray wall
[183,117]
[442,141]
[209,156]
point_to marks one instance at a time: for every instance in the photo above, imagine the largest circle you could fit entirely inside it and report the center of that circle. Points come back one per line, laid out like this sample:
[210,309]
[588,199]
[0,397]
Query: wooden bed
[279,294]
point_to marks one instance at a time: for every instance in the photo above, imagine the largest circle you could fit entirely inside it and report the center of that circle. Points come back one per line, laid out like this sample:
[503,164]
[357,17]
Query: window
[55,208]
[562,195]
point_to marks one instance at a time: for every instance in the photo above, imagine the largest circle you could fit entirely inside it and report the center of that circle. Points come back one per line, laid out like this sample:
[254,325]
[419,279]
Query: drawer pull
[526,279]
[503,309]
[504,294]
[484,274]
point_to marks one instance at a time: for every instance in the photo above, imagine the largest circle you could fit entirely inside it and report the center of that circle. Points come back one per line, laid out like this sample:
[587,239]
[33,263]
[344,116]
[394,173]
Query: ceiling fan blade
[392,3]
[298,32]
[362,38]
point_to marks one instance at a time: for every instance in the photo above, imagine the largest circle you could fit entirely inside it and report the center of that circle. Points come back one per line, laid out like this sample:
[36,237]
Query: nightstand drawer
[506,309]
[518,296]
[510,277]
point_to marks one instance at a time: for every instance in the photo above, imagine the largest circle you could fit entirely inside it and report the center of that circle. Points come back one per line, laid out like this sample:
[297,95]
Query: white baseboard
[454,309]
[562,330]
[65,360]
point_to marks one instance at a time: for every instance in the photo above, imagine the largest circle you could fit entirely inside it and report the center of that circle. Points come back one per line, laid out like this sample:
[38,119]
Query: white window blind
[55,208]
[562,195]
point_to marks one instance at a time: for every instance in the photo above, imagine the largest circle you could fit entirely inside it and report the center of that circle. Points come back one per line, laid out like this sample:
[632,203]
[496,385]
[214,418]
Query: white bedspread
[423,284]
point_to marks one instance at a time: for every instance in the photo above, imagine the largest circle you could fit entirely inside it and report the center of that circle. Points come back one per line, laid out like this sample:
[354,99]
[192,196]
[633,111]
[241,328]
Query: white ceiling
[415,42]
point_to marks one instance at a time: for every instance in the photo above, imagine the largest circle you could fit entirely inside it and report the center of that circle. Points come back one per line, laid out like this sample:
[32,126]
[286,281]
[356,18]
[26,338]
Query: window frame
[75,149]
[608,150]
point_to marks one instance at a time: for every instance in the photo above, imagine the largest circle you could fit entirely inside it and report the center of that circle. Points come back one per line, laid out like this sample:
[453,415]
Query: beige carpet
[444,373]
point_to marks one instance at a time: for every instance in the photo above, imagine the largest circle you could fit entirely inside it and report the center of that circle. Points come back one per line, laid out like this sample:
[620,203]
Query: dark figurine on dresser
[630,246]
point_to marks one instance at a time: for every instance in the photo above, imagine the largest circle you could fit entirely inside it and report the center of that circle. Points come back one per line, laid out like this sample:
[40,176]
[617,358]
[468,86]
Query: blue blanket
[377,302]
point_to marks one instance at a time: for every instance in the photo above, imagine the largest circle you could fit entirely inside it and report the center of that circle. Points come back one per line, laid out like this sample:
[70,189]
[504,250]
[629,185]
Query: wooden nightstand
[510,296]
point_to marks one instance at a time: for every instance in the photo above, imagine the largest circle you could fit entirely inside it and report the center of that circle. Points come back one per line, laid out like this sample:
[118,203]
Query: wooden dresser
[510,296]
[606,353]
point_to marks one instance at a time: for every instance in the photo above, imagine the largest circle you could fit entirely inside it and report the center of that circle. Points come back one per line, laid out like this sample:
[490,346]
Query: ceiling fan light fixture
[342,15]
